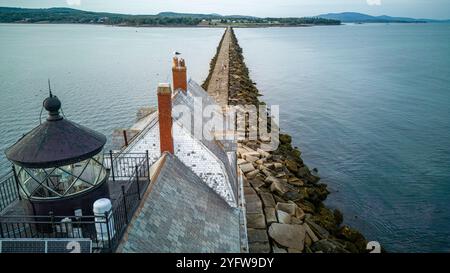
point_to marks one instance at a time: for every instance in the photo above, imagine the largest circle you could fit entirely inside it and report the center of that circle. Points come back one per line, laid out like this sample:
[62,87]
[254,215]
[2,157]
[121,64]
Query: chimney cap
[164,88]
[179,63]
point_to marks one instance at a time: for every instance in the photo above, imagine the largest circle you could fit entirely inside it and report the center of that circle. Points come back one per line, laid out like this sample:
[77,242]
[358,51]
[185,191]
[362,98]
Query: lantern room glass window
[62,181]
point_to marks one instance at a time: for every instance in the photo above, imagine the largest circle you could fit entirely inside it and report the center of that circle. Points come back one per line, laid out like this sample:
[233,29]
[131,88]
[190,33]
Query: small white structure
[104,217]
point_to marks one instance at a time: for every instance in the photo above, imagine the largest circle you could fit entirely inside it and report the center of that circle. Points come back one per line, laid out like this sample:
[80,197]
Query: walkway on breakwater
[218,84]
[218,88]
[283,198]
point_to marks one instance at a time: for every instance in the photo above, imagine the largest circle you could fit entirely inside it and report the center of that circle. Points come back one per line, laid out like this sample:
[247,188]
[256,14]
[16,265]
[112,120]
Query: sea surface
[368,105]
[101,74]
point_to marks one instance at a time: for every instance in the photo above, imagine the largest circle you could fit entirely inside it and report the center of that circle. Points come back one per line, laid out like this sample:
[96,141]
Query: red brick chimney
[165,117]
[179,74]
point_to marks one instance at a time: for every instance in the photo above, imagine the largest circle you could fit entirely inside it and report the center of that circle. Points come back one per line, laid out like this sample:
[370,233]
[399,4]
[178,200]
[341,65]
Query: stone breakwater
[284,198]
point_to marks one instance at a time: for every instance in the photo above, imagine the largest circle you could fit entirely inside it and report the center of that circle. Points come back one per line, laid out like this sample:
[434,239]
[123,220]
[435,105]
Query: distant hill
[74,16]
[354,17]
[192,15]
[203,16]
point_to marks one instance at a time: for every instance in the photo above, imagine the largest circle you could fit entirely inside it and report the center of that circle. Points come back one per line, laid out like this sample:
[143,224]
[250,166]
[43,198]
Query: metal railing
[8,190]
[106,230]
[96,228]
[122,165]
[127,203]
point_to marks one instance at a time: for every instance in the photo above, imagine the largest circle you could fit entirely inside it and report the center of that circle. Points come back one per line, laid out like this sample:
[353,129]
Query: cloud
[374,2]
[78,2]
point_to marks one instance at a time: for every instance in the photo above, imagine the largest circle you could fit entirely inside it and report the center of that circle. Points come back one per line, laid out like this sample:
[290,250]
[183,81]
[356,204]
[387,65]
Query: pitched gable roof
[218,148]
[180,213]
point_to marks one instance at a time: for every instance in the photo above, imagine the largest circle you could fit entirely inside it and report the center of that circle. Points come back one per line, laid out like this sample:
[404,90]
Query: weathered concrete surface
[218,84]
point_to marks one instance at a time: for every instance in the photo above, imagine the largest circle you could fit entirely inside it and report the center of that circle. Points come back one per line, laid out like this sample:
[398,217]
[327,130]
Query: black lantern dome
[56,142]
[59,164]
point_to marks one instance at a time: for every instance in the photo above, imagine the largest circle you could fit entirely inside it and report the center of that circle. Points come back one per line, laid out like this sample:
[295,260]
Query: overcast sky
[438,9]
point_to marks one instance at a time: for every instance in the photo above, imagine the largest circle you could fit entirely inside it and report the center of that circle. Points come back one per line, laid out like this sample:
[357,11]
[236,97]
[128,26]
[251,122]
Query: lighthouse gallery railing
[105,231]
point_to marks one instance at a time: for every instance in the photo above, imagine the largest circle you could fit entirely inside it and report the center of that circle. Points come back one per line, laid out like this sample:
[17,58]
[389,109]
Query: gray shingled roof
[196,91]
[182,214]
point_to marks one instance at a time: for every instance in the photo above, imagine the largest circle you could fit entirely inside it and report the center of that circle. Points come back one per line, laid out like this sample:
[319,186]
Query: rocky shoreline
[284,198]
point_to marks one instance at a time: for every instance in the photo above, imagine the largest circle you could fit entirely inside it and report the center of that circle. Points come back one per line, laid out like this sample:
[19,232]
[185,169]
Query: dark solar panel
[22,246]
[46,246]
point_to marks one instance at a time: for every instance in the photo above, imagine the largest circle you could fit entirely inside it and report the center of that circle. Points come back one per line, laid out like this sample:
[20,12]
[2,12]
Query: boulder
[283,217]
[291,166]
[278,187]
[308,241]
[247,149]
[325,218]
[248,155]
[241,161]
[247,167]
[260,161]
[285,139]
[292,196]
[313,179]
[277,165]
[277,158]
[310,233]
[289,208]
[318,193]
[268,173]
[296,221]
[241,151]
[319,231]
[260,167]
[250,158]
[278,199]
[354,236]
[270,179]
[252,174]
[256,183]
[299,213]
[306,206]
[263,153]
[303,172]
[296,182]
[296,154]
[290,236]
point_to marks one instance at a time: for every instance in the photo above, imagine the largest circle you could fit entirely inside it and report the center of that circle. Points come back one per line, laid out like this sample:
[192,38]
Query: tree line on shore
[67,15]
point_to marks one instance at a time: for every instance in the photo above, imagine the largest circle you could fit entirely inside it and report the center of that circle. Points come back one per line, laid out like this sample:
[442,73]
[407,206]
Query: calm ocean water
[369,105]
[101,74]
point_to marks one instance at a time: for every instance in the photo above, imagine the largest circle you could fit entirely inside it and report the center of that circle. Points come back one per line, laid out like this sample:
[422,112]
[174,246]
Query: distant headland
[164,19]
[354,17]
